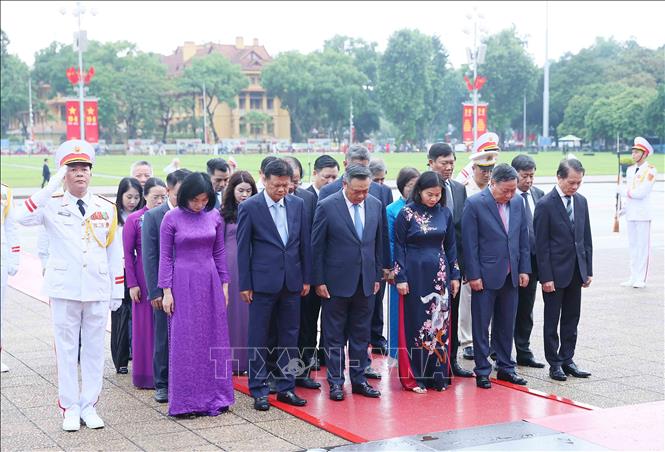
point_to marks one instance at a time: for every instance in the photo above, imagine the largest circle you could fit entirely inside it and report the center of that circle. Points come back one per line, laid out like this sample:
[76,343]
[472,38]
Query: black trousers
[376,338]
[160,353]
[524,319]
[563,303]
[454,340]
[120,333]
[309,320]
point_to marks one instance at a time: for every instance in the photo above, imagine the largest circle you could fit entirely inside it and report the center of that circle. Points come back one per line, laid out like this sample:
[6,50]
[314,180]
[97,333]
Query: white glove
[12,270]
[56,180]
[115,303]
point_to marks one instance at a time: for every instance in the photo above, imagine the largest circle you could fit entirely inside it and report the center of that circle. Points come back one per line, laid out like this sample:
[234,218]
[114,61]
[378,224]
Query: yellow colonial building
[230,123]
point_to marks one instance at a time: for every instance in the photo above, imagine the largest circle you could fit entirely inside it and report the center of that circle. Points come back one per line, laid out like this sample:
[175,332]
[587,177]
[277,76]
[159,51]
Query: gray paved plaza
[620,341]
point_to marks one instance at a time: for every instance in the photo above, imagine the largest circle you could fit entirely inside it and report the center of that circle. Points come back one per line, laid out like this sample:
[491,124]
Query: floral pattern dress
[426,259]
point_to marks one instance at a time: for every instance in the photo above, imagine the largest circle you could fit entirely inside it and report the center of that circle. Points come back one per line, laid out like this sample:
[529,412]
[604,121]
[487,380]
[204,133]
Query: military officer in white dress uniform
[482,160]
[11,249]
[84,277]
[640,179]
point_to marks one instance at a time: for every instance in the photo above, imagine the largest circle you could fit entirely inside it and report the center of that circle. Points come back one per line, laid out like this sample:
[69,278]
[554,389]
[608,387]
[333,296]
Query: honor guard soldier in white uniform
[11,249]
[640,179]
[481,163]
[84,277]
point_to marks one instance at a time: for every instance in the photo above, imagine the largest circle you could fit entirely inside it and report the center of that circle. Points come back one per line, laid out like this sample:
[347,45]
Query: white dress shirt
[361,207]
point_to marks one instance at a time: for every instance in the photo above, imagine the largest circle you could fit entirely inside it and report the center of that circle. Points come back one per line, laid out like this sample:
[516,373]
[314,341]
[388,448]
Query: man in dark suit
[219,173]
[526,169]
[310,303]
[326,171]
[347,247]
[274,269]
[496,238]
[441,159]
[359,155]
[564,254]
[152,220]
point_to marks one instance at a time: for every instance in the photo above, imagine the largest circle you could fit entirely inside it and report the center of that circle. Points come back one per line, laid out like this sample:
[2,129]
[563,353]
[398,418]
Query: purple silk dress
[142,323]
[192,262]
[238,310]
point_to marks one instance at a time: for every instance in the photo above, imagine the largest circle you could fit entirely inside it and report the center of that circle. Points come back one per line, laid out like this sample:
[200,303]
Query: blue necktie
[81,205]
[358,222]
[569,209]
[280,222]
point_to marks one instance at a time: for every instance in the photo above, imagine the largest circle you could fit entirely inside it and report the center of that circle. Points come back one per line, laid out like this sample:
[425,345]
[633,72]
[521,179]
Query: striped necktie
[569,209]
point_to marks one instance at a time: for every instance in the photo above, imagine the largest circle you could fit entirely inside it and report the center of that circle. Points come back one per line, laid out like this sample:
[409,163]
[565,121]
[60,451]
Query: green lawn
[25,171]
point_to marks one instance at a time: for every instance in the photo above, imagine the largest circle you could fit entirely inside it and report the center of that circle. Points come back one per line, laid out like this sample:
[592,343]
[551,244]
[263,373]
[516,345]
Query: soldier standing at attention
[84,277]
[640,178]
[11,247]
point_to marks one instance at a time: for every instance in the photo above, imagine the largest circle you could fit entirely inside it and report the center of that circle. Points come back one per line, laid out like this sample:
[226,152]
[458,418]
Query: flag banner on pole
[91,124]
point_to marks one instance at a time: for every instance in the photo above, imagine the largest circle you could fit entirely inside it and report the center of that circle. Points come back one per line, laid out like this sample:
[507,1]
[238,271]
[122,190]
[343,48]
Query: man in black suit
[526,169]
[359,155]
[152,220]
[441,159]
[326,171]
[274,270]
[310,303]
[347,248]
[564,256]
[219,173]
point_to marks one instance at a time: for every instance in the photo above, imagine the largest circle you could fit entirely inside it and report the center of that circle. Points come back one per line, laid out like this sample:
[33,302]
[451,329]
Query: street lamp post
[80,40]
[475,57]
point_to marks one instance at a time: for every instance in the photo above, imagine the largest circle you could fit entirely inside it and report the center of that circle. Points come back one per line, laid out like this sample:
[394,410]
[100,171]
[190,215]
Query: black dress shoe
[372,373]
[510,377]
[572,369]
[459,371]
[365,389]
[493,356]
[467,353]
[308,383]
[291,398]
[483,382]
[556,373]
[530,362]
[380,349]
[261,403]
[336,393]
[122,370]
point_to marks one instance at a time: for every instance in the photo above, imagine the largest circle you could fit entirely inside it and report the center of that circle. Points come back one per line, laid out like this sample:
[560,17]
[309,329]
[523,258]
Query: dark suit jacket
[459,198]
[377,191]
[152,220]
[386,195]
[312,191]
[340,257]
[488,247]
[264,263]
[536,194]
[559,244]
[310,203]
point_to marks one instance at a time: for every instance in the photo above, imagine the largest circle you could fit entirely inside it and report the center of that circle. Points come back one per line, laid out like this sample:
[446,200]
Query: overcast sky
[162,26]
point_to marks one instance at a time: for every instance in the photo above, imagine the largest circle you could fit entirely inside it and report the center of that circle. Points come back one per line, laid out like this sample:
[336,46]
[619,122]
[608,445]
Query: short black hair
[177,176]
[428,179]
[277,167]
[503,172]
[440,150]
[217,164]
[152,182]
[325,161]
[266,161]
[523,162]
[193,185]
[295,163]
[569,164]
[404,176]
[123,187]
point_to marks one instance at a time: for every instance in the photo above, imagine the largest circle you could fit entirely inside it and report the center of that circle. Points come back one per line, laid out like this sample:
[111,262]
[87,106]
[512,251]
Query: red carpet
[401,413]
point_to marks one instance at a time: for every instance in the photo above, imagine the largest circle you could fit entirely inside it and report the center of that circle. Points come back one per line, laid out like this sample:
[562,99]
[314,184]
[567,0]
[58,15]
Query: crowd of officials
[213,274]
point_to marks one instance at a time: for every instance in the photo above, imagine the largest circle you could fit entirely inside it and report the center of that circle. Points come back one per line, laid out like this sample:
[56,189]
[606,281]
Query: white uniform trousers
[90,317]
[3,270]
[464,331]
[639,235]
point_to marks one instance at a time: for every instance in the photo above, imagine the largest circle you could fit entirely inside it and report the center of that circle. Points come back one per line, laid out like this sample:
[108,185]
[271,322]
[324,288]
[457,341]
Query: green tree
[655,114]
[223,82]
[14,92]
[622,113]
[511,74]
